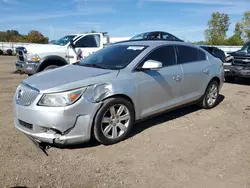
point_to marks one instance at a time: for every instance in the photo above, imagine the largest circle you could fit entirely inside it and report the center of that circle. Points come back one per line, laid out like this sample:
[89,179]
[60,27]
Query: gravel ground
[188,147]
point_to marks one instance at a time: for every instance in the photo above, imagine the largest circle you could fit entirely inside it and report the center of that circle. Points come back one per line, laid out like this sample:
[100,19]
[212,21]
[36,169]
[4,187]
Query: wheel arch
[217,79]
[126,97]
[51,60]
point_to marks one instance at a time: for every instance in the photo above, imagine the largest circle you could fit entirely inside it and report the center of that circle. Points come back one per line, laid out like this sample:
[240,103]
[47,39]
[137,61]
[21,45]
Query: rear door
[88,44]
[196,69]
[159,89]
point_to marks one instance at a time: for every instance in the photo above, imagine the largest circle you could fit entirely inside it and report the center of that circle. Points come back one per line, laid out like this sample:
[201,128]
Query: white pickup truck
[67,50]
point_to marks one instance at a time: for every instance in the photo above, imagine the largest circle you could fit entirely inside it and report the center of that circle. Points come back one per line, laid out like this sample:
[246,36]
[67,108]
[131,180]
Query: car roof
[153,43]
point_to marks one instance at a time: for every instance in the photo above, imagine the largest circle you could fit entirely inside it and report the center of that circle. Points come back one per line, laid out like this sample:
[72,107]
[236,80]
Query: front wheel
[211,96]
[50,67]
[113,121]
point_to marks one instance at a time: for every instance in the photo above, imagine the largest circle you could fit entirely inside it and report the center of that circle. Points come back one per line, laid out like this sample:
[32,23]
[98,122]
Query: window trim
[151,51]
[79,38]
[194,47]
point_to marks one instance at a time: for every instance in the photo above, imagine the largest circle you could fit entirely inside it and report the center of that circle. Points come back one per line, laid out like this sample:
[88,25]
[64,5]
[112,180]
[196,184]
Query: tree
[12,35]
[200,43]
[93,31]
[3,36]
[246,25]
[217,29]
[52,41]
[236,39]
[36,37]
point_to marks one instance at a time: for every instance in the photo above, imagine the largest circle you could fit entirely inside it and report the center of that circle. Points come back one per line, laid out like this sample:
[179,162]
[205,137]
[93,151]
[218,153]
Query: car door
[196,70]
[159,89]
[88,44]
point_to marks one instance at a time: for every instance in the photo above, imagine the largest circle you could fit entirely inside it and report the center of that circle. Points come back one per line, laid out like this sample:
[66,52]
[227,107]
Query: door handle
[177,77]
[206,71]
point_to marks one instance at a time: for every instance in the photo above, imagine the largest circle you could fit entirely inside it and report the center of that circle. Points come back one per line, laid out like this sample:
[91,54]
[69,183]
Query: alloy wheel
[115,121]
[212,94]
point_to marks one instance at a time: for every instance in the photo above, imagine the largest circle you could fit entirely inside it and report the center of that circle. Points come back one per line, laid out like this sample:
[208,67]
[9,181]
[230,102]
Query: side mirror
[71,44]
[152,65]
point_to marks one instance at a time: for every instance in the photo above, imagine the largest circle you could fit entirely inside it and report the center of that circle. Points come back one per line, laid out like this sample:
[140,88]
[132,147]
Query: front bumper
[56,125]
[240,71]
[26,67]
[227,69]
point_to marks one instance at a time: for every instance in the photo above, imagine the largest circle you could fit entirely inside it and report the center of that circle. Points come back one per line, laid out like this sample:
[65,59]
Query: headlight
[32,57]
[61,99]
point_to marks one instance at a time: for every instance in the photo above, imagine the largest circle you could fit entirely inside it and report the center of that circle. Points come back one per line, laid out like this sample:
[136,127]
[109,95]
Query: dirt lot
[189,147]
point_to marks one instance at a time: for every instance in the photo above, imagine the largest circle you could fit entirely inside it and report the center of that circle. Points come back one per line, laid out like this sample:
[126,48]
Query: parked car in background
[104,94]
[156,35]
[36,58]
[240,63]
[216,52]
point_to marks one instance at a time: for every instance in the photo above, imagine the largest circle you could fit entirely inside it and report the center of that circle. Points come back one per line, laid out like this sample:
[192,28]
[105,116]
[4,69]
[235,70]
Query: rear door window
[187,54]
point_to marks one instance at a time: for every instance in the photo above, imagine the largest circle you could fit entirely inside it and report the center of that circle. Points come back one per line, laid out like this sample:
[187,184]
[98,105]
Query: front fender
[51,58]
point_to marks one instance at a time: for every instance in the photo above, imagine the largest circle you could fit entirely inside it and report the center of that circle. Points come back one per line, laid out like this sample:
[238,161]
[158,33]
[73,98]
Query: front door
[88,44]
[159,89]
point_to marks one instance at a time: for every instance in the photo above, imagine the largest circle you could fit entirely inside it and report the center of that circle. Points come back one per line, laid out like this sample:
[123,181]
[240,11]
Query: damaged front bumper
[56,126]
[79,132]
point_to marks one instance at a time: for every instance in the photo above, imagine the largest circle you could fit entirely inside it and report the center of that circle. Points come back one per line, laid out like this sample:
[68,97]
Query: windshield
[148,35]
[246,46]
[63,41]
[113,57]
[140,36]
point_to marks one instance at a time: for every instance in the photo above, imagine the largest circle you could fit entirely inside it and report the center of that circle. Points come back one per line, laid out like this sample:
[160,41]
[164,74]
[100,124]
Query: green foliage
[200,43]
[246,25]
[218,26]
[15,36]
[236,39]
[217,29]
[36,37]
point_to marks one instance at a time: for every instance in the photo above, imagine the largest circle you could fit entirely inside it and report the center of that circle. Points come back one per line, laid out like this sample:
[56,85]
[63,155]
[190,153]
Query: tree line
[215,34]
[14,36]
[218,26]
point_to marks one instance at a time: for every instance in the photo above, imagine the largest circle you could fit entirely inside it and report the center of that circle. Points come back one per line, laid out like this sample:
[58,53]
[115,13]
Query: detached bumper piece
[40,145]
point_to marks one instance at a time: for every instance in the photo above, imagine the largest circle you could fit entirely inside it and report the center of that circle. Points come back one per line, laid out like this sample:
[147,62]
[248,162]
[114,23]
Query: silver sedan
[106,93]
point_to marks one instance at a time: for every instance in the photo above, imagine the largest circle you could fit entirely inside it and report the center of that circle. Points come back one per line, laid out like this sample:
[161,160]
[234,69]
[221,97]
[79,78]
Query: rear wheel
[210,98]
[113,121]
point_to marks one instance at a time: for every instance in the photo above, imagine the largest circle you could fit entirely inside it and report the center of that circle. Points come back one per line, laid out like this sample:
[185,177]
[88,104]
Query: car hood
[41,48]
[239,53]
[69,77]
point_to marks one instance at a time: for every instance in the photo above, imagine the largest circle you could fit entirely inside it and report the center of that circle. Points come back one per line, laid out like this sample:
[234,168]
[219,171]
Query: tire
[9,52]
[204,102]
[1,52]
[229,79]
[110,125]
[50,67]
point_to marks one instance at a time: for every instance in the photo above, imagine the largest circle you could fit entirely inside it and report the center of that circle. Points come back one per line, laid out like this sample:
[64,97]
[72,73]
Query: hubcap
[212,95]
[115,121]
